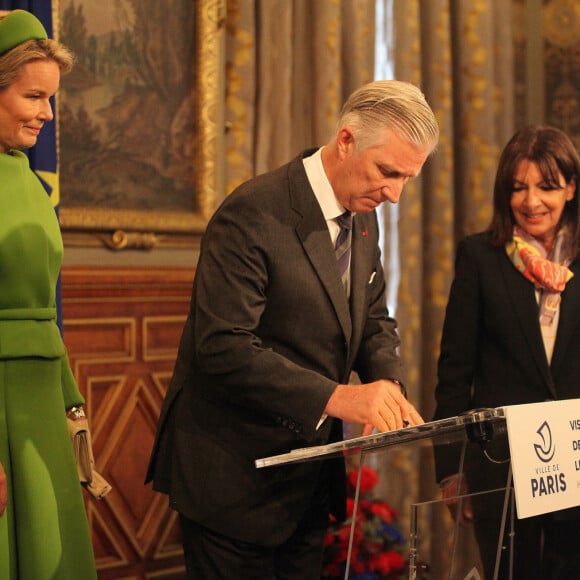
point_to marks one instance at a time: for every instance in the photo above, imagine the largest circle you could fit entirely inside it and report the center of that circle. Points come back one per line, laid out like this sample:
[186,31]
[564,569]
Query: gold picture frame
[120,228]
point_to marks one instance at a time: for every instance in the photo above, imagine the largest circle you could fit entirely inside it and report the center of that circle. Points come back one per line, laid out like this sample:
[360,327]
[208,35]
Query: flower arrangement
[377,542]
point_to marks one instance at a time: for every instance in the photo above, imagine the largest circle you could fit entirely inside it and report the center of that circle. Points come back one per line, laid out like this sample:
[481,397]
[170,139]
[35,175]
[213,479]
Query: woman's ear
[571,190]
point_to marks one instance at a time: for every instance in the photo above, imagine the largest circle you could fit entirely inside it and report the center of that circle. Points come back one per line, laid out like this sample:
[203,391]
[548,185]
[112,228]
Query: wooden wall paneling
[122,328]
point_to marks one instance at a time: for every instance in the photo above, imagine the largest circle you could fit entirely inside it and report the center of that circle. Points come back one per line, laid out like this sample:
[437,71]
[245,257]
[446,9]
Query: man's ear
[345,141]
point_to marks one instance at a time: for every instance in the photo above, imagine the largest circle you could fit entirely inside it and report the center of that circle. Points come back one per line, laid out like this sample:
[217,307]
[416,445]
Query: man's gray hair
[389,104]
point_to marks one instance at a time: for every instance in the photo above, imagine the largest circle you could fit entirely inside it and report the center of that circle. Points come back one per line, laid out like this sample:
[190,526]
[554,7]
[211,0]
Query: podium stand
[438,547]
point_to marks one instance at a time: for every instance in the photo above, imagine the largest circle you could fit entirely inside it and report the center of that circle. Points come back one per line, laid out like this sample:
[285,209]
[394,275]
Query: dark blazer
[269,335]
[492,352]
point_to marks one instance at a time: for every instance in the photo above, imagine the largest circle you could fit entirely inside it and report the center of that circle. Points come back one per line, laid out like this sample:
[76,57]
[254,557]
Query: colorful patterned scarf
[547,271]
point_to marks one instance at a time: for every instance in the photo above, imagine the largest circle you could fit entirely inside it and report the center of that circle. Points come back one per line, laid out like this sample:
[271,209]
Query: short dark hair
[554,153]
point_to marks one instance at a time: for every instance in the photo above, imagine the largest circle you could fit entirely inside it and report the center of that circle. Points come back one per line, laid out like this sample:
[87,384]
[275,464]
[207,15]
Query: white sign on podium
[544,440]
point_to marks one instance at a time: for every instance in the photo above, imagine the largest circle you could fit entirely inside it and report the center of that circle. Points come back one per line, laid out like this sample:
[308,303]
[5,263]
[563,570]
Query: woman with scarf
[512,336]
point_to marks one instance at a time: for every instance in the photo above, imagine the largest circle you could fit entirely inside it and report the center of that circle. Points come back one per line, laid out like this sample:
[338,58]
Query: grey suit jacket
[269,335]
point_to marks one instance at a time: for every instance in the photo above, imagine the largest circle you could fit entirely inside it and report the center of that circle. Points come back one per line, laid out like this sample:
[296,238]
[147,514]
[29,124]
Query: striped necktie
[342,248]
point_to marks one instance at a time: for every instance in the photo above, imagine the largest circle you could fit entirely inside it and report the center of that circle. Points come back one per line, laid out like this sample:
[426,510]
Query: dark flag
[44,155]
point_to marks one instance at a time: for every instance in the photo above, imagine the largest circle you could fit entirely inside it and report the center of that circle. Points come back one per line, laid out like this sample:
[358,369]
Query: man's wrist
[401,386]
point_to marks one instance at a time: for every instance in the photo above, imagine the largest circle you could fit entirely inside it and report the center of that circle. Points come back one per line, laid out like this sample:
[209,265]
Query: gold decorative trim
[92,226]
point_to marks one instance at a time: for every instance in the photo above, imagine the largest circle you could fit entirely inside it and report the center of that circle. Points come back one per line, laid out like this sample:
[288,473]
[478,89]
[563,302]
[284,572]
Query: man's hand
[3,490]
[379,405]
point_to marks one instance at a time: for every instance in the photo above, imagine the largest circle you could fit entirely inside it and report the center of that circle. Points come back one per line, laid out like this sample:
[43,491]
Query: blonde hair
[11,62]
[389,104]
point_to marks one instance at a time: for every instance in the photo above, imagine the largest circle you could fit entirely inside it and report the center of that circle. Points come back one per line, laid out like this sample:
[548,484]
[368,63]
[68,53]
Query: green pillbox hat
[18,27]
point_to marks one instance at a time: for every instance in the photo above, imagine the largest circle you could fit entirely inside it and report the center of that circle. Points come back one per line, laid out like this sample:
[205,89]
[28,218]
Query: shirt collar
[331,208]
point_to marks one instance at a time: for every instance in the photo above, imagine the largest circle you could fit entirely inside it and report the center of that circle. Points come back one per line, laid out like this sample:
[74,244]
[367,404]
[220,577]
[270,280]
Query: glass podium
[437,546]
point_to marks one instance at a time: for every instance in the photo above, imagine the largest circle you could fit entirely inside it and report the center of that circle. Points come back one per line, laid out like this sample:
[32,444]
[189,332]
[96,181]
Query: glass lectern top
[429,430]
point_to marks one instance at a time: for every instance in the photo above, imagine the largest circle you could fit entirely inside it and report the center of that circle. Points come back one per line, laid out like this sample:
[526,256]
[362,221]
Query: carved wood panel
[122,328]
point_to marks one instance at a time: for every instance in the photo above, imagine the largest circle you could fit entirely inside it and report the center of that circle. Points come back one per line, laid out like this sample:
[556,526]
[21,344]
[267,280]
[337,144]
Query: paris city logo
[549,479]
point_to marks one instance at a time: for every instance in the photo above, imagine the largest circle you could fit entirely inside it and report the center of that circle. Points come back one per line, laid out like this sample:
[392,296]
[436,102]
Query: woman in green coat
[44,533]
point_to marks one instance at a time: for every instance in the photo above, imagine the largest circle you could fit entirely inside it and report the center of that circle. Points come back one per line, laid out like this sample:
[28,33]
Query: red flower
[386,562]
[383,511]
[328,539]
[349,507]
[364,505]
[343,535]
[376,539]
[368,479]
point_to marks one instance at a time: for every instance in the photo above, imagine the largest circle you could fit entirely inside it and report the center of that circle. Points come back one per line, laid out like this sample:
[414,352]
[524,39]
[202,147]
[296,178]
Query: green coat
[44,533]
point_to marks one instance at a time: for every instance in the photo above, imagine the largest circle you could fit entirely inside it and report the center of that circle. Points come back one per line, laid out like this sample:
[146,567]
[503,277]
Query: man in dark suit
[275,328]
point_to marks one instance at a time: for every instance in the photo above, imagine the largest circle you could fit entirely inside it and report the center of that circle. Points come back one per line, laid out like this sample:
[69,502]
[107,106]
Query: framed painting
[140,120]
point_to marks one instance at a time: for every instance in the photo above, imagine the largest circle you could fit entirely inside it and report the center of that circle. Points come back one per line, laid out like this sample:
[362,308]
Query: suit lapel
[525,306]
[312,231]
[569,317]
